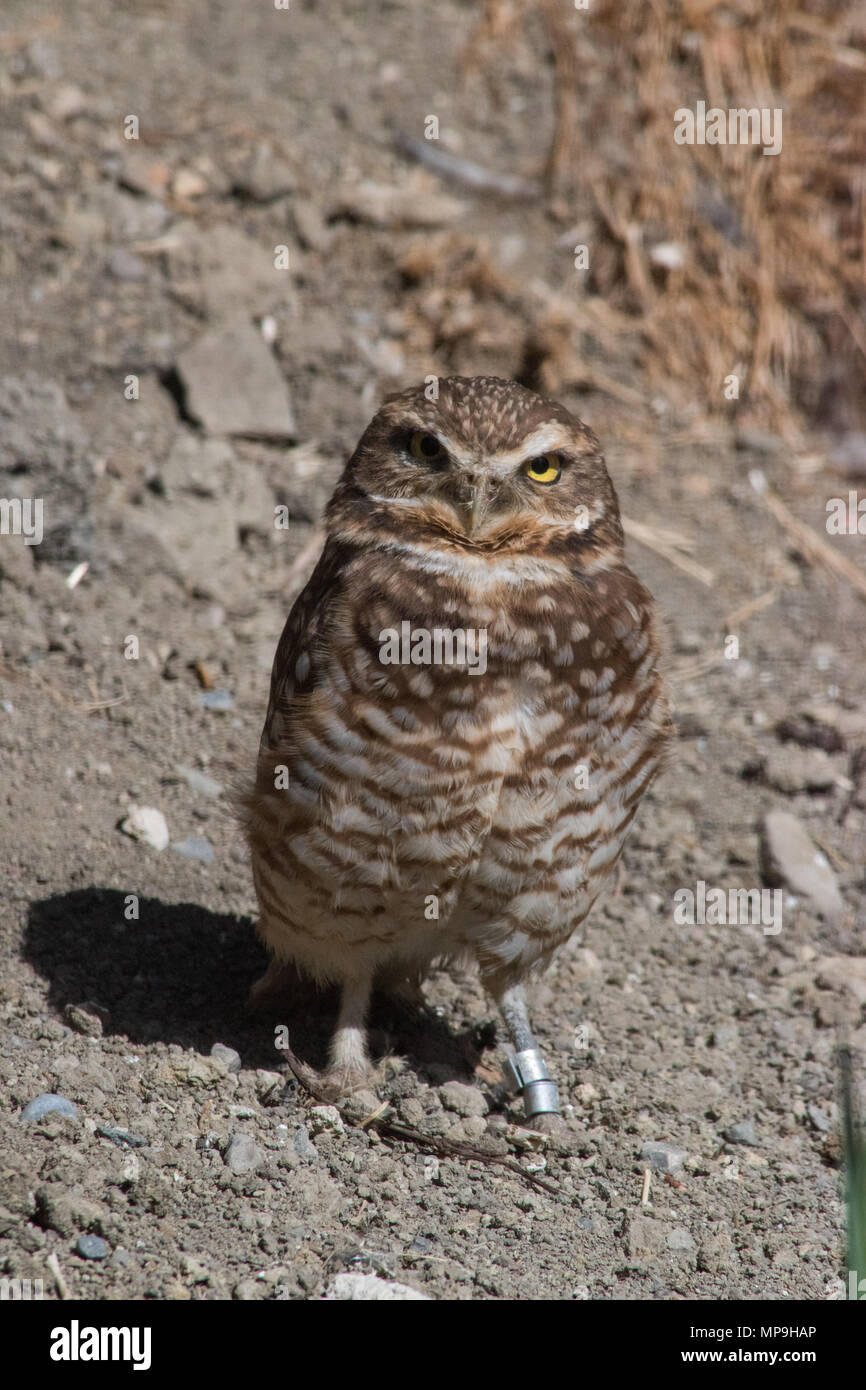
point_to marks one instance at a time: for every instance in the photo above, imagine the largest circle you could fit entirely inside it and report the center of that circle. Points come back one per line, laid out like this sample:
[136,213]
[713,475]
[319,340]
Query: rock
[792,770]
[243,1154]
[48,1104]
[742,1133]
[188,183]
[227,1055]
[206,500]
[223,274]
[680,1239]
[757,441]
[302,1146]
[367,1288]
[269,1086]
[217,699]
[249,1291]
[64,101]
[142,173]
[360,1104]
[264,177]
[200,782]
[83,1020]
[148,825]
[810,732]
[313,232]
[463,1100]
[664,1158]
[417,202]
[195,847]
[233,385]
[644,1237]
[91,1247]
[839,972]
[819,1118]
[67,1210]
[715,1252]
[326,1119]
[790,860]
[125,265]
[668,254]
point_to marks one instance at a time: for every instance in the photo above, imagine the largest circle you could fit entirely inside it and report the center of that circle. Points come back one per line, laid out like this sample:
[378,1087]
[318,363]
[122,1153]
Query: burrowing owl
[465,710]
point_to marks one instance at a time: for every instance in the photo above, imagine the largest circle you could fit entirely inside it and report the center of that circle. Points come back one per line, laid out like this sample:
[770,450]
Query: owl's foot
[338,1081]
[350,1068]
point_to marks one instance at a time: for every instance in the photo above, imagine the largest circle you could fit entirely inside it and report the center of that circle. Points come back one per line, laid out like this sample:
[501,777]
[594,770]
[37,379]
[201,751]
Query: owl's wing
[304,629]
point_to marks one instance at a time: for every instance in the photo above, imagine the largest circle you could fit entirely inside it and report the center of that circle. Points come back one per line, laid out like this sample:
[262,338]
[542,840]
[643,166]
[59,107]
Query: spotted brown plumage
[408,812]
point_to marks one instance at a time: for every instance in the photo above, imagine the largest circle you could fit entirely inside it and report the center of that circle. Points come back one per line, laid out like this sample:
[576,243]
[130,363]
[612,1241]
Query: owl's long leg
[350,1063]
[540,1096]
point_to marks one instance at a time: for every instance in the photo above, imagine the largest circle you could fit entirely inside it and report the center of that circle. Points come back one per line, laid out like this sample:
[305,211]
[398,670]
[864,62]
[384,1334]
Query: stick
[662,546]
[748,610]
[63,1288]
[467,172]
[812,547]
[407,1134]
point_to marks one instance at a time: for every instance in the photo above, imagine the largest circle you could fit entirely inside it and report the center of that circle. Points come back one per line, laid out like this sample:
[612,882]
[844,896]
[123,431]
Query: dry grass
[773,281]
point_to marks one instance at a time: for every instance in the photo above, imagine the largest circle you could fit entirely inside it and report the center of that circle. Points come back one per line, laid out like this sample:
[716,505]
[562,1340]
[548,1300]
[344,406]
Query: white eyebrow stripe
[543,440]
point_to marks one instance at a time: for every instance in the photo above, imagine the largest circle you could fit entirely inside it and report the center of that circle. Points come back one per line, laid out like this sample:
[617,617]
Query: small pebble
[461,1099]
[820,1119]
[125,265]
[200,782]
[665,1158]
[326,1119]
[742,1133]
[195,847]
[49,1104]
[148,825]
[228,1055]
[216,699]
[301,1144]
[91,1247]
[367,1287]
[243,1154]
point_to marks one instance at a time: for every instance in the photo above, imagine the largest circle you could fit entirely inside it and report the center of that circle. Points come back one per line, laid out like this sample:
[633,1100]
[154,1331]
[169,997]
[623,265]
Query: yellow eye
[545,469]
[425,447]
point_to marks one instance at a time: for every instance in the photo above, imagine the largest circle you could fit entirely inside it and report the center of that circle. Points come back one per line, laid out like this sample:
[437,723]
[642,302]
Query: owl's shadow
[179,973]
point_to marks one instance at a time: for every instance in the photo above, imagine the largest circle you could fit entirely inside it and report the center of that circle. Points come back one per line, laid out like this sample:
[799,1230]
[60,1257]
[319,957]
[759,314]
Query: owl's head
[479,463]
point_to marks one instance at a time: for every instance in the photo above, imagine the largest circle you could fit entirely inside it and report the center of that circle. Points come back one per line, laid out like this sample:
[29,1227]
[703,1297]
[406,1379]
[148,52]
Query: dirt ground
[124,965]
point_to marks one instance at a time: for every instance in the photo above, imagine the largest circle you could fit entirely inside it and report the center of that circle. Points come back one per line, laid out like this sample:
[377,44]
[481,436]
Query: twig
[63,1288]
[748,610]
[647,1179]
[661,545]
[407,1134]
[467,172]
[811,546]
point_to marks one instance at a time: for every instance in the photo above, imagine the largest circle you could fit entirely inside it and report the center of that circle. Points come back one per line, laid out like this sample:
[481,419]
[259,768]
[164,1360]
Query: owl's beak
[473,507]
